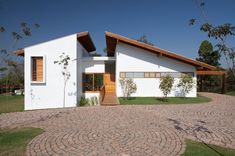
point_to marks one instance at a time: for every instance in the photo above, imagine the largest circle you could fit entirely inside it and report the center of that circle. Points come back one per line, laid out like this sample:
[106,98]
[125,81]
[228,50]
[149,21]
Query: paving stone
[128,130]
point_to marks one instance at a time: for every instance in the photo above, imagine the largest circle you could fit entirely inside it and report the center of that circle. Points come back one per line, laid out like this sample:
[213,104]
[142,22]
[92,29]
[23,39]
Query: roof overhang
[19,52]
[112,40]
[85,39]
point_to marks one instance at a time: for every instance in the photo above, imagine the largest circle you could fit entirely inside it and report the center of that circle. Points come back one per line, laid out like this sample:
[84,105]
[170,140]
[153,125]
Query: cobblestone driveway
[128,130]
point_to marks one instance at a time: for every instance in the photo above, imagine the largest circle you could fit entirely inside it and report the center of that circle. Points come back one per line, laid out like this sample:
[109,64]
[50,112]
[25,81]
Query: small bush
[89,101]
[166,84]
[128,87]
[186,84]
[84,101]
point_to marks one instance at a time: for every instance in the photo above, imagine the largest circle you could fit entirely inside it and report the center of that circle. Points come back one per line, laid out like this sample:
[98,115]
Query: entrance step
[110,99]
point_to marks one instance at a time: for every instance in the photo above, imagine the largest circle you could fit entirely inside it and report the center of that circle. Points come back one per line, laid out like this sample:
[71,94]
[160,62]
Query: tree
[208,55]
[221,33]
[63,62]
[24,31]
[9,67]
[186,84]
[144,39]
[166,84]
[105,50]
[128,87]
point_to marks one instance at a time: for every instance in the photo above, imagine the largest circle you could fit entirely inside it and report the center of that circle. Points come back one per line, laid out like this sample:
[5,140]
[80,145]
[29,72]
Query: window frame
[124,74]
[93,82]
[156,74]
[43,72]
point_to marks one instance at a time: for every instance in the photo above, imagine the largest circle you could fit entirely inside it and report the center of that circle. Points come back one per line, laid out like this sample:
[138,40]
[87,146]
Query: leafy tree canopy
[220,33]
[208,55]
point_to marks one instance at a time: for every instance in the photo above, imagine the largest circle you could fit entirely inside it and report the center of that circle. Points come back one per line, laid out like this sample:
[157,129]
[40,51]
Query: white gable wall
[133,59]
[50,93]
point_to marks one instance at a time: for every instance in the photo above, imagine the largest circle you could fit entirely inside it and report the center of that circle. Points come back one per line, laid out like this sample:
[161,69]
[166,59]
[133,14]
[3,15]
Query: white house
[99,76]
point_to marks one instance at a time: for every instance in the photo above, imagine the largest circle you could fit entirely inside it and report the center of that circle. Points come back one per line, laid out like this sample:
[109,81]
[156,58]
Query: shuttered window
[37,69]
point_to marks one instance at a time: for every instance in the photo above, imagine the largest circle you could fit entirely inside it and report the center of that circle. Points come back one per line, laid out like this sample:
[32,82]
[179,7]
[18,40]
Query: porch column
[224,88]
[201,83]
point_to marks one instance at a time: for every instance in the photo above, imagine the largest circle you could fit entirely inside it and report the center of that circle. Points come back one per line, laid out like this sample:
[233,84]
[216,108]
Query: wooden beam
[19,52]
[210,72]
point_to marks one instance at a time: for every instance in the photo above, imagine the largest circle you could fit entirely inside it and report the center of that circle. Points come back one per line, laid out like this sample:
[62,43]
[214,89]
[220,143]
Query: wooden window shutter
[37,68]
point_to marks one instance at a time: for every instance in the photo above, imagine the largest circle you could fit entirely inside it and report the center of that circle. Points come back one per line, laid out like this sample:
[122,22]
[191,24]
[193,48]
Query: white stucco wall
[50,93]
[133,59]
[93,66]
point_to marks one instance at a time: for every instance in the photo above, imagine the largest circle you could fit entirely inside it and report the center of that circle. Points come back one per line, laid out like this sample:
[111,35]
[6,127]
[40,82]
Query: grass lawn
[14,142]
[194,148]
[155,100]
[231,93]
[11,103]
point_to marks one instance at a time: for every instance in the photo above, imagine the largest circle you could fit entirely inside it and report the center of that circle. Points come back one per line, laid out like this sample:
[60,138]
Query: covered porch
[202,73]
[98,79]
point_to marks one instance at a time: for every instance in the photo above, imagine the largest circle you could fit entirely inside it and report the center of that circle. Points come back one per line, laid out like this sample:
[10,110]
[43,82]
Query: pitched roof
[83,37]
[112,40]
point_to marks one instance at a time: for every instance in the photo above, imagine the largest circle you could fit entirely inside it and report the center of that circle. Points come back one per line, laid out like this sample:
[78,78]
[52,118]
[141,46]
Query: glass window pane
[87,82]
[176,74]
[129,75]
[98,81]
[146,74]
[164,74]
[157,74]
[151,75]
[122,75]
[138,75]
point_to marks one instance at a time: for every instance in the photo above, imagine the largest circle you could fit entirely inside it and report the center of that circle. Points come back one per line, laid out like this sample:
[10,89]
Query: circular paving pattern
[128,130]
[158,141]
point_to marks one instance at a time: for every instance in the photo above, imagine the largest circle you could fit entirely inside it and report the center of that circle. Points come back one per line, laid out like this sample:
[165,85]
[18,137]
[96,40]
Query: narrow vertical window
[37,69]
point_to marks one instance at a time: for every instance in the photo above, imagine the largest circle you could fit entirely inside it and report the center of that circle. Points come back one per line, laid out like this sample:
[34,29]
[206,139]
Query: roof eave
[85,39]
[19,52]
[115,38]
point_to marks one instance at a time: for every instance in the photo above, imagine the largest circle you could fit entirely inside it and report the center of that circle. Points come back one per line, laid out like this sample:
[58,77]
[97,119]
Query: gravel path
[128,130]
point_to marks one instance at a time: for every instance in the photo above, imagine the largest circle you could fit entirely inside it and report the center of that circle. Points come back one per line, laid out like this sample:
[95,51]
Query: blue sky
[164,22]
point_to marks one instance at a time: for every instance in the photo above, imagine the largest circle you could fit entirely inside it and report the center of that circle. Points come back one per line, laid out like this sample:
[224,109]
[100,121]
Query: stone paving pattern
[128,130]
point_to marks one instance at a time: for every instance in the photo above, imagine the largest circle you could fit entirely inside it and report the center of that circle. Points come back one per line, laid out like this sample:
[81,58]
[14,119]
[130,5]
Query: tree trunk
[64,94]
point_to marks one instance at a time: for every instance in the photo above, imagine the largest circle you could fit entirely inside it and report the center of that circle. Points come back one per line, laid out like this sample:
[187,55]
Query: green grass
[231,93]
[194,148]
[11,103]
[14,142]
[170,100]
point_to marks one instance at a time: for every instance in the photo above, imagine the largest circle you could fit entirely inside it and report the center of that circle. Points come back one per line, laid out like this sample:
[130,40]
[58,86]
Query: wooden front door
[109,82]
